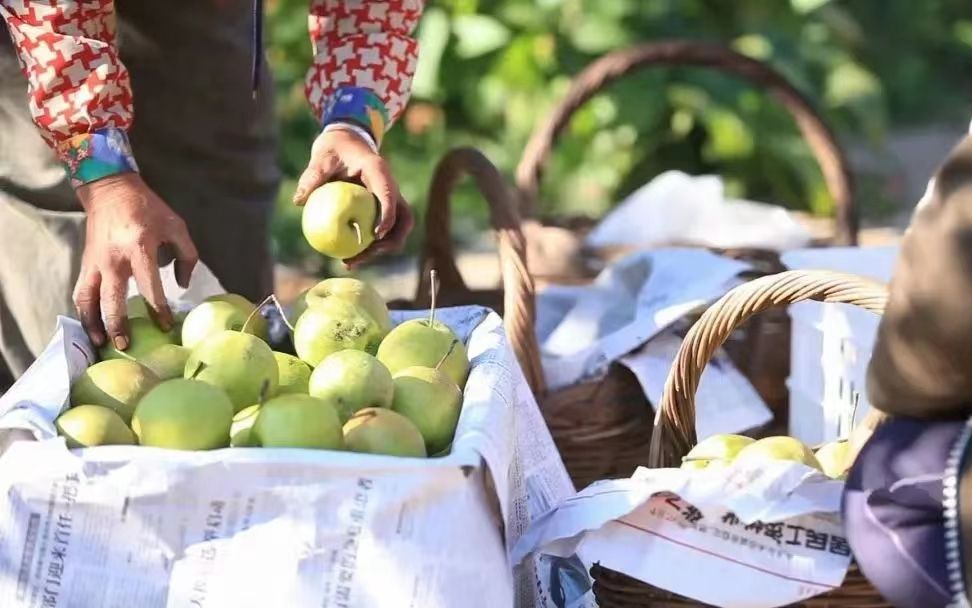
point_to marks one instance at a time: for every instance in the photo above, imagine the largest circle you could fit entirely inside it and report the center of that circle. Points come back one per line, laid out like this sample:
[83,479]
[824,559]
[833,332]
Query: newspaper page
[773,527]
[725,402]
[124,526]
[629,303]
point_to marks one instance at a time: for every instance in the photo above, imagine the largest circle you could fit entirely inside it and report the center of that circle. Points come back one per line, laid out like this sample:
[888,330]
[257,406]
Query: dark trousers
[893,511]
[201,142]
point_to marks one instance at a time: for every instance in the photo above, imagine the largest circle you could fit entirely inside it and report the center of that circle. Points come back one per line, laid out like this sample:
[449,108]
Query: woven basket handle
[519,299]
[615,65]
[674,432]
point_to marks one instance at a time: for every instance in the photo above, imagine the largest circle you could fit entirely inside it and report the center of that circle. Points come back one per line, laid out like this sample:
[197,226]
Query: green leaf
[807,6]
[598,34]
[433,36]
[478,35]
[849,83]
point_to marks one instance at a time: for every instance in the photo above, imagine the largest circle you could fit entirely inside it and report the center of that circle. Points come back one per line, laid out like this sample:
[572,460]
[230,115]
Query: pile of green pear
[356,383]
[718,451]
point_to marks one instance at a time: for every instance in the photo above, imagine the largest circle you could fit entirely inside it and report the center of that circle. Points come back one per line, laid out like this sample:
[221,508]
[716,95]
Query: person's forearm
[78,90]
[364,60]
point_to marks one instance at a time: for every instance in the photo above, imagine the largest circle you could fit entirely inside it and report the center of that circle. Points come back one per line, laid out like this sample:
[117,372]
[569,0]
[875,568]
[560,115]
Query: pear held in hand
[339,219]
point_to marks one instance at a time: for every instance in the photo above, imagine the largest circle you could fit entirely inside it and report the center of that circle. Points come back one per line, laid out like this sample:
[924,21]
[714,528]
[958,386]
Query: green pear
[331,326]
[346,288]
[421,343]
[240,364]
[178,319]
[376,430]
[339,219]
[117,384]
[210,317]
[778,448]
[294,374]
[351,380]
[86,426]
[138,308]
[298,421]
[717,448]
[183,414]
[241,428]
[167,361]
[144,336]
[835,459]
[233,298]
[431,400]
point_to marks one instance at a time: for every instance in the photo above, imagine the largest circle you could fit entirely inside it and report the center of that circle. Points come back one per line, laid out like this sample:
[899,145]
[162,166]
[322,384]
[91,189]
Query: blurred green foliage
[490,70]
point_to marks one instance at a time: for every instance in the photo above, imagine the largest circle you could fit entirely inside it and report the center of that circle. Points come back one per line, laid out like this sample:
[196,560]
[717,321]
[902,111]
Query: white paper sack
[774,529]
[583,330]
[634,305]
[677,208]
[725,401]
[127,526]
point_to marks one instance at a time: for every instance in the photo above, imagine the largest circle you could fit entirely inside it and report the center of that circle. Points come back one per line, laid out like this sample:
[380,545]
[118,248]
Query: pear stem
[434,288]
[256,311]
[270,299]
[357,231]
[452,347]
[264,391]
[198,370]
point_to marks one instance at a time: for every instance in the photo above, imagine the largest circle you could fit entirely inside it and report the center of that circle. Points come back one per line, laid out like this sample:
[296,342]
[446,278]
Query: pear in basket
[346,288]
[717,450]
[294,374]
[376,430]
[85,426]
[351,380]
[426,343]
[778,448]
[431,400]
[835,458]
[220,313]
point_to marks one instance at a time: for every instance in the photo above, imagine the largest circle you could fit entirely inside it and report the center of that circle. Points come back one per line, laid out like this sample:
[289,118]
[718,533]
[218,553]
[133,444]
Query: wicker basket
[515,299]
[600,428]
[674,431]
[616,403]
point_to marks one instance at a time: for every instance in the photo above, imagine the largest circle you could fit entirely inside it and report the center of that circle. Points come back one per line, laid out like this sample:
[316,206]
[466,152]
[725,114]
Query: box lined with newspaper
[280,524]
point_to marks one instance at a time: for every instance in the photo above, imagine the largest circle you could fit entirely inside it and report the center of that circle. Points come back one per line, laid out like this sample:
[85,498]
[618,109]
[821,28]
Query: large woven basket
[584,416]
[674,429]
[515,299]
[600,428]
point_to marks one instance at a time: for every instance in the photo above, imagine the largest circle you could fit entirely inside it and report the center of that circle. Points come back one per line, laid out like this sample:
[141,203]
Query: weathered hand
[126,225]
[344,155]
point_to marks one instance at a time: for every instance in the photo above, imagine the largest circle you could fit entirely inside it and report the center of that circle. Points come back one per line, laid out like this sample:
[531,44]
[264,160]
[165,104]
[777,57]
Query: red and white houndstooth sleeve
[79,91]
[364,59]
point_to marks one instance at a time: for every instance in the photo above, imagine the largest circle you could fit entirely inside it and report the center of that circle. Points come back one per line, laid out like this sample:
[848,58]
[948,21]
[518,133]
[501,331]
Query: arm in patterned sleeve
[364,59]
[79,91]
